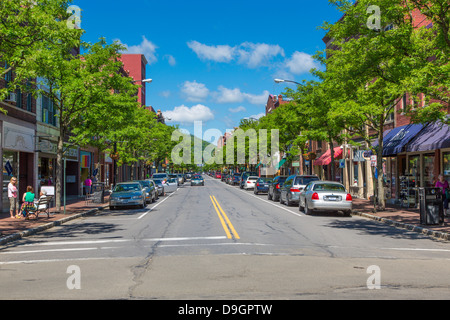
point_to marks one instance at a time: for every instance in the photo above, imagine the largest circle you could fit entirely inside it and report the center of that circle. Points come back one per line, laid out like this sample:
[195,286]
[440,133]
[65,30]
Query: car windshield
[160,175]
[127,187]
[328,187]
[157,181]
[305,180]
[264,180]
[145,183]
[197,177]
[282,179]
[252,178]
[173,180]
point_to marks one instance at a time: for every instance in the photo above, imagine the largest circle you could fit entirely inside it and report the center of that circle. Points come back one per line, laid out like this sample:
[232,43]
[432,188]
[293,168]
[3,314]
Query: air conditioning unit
[12,97]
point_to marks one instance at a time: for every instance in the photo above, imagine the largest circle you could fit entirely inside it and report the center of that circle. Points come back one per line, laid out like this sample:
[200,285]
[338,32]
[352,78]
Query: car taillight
[257,184]
[248,181]
[294,190]
[349,197]
[315,196]
[277,186]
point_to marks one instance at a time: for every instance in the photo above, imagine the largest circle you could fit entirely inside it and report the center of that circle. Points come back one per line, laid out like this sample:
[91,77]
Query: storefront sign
[18,138]
[47,146]
[373,161]
[341,164]
[358,156]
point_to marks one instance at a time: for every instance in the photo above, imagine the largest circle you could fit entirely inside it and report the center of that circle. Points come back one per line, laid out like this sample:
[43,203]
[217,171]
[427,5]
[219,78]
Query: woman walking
[442,183]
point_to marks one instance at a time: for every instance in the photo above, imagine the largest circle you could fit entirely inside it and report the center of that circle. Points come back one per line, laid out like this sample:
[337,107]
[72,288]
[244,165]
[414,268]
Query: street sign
[373,161]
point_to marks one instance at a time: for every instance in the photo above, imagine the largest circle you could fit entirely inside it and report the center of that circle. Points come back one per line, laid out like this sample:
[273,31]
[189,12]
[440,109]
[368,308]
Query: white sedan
[171,185]
[250,182]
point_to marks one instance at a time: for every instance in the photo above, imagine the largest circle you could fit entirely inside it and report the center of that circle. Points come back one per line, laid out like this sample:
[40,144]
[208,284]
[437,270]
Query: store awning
[398,138]
[325,159]
[434,136]
[280,163]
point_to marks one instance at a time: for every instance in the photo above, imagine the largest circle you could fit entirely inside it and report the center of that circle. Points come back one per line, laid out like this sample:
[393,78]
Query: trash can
[431,207]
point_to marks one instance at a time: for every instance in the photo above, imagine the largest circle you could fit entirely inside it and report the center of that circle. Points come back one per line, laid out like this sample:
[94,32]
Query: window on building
[48,111]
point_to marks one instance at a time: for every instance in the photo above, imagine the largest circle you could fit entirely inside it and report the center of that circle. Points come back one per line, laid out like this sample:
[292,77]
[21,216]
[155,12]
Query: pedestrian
[88,185]
[442,183]
[12,196]
[28,202]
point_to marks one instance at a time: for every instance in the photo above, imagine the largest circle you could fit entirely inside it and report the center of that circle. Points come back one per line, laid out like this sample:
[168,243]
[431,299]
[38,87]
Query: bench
[41,206]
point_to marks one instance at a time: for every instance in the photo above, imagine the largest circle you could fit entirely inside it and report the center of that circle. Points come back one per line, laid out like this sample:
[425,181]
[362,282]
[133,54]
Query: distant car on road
[325,196]
[127,194]
[294,184]
[197,180]
[163,176]
[244,176]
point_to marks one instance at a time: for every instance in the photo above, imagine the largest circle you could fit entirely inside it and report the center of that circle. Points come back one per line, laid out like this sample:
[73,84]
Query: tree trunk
[380,179]
[332,166]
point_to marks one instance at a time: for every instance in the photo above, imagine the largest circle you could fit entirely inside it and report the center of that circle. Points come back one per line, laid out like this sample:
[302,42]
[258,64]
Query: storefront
[46,162]
[17,158]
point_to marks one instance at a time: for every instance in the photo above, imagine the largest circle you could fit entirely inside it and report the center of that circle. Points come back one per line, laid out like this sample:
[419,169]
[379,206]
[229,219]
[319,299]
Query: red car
[218,175]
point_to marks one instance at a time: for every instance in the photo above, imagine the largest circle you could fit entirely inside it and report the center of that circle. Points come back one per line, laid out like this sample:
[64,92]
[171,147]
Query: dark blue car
[262,185]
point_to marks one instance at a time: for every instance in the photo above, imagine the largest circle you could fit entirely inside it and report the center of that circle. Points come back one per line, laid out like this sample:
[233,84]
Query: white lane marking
[48,250]
[145,213]
[417,249]
[123,240]
[53,260]
[267,201]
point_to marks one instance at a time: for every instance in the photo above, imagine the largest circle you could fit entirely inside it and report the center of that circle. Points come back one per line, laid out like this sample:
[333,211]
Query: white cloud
[238,109]
[301,62]
[225,95]
[184,114]
[165,93]
[147,48]
[251,54]
[259,54]
[256,116]
[220,53]
[170,59]
[257,99]
[194,91]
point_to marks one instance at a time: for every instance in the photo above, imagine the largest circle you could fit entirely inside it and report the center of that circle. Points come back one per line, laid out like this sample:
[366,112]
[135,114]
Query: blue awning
[434,136]
[398,138]
[395,140]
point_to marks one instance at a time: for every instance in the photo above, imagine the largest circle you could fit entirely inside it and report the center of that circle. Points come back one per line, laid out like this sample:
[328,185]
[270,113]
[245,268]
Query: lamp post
[282,80]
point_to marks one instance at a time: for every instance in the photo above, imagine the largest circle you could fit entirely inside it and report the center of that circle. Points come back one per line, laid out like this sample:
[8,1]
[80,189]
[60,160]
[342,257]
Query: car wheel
[288,203]
[269,197]
[348,213]
[281,199]
[111,207]
[307,210]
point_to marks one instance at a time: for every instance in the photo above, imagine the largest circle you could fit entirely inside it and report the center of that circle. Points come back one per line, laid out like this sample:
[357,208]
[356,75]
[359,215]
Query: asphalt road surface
[220,242]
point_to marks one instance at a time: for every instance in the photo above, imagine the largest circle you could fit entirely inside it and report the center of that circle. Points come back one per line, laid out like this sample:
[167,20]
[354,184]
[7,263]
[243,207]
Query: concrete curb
[435,234]
[32,231]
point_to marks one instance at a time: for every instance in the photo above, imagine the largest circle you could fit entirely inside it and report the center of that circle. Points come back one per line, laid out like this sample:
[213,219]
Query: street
[220,242]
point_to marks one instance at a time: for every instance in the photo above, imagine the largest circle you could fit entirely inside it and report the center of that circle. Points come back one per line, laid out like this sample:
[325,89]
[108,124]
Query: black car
[151,193]
[244,177]
[274,188]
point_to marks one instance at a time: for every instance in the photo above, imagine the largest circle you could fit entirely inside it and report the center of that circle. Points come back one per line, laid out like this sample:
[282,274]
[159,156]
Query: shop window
[414,169]
[446,165]
[428,167]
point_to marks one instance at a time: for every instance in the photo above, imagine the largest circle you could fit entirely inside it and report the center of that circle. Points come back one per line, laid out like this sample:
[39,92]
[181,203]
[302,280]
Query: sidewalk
[405,218]
[12,229]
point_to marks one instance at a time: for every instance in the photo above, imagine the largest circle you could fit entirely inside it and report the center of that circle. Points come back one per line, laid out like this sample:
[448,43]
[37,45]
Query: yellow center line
[236,235]
[221,219]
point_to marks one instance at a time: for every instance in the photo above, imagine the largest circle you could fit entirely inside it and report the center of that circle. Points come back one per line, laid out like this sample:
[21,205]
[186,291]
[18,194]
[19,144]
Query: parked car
[224,177]
[197,180]
[294,184]
[274,188]
[171,185]
[163,176]
[244,176]
[150,190]
[159,186]
[235,179]
[262,185]
[127,194]
[250,182]
[326,196]
[218,175]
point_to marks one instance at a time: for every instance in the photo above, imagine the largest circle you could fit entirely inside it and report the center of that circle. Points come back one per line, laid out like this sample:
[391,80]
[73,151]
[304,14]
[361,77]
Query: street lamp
[143,81]
[281,80]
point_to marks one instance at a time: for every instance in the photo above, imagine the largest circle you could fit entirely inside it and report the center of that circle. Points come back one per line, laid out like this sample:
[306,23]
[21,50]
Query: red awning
[325,159]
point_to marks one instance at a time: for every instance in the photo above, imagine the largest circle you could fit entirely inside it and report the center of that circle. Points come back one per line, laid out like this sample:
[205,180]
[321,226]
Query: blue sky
[213,61]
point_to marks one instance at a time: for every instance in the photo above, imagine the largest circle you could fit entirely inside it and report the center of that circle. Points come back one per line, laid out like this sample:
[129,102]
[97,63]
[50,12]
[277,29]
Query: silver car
[325,196]
[127,194]
[291,188]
